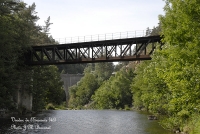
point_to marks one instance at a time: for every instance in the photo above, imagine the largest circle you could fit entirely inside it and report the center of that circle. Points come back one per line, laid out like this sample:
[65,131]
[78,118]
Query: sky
[89,17]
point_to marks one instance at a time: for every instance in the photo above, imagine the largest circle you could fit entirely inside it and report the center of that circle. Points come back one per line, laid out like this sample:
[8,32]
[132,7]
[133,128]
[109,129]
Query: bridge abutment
[70,80]
[23,100]
[23,96]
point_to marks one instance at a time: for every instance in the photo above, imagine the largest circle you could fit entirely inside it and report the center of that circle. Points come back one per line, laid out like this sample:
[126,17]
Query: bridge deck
[139,48]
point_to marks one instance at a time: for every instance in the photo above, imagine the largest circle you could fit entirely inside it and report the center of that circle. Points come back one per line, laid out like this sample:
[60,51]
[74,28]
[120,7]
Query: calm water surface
[82,122]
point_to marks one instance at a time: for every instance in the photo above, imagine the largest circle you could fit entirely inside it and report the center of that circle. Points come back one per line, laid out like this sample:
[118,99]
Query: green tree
[47,87]
[18,31]
[115,92]
[80,95]
[94,76]
[46,28]
[169,83]
[182,52]
[103,71]
[16,24]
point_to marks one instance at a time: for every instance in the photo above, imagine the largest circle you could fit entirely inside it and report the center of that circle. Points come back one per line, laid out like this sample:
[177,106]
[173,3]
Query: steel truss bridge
[110,50]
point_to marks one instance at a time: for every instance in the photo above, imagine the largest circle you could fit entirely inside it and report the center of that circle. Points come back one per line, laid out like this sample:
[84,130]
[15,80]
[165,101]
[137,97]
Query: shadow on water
[153,125]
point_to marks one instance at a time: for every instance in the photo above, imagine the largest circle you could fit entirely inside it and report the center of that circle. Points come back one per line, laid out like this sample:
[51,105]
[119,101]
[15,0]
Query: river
[82,122]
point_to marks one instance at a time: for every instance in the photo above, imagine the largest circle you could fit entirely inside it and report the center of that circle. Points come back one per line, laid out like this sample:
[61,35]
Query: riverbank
[189,126]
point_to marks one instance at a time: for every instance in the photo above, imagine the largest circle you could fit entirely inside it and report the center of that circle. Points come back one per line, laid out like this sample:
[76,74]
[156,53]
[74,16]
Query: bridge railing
[101,37]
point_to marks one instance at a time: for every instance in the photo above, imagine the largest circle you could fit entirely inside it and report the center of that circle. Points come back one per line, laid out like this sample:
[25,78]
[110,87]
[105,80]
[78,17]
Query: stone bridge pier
[70,80]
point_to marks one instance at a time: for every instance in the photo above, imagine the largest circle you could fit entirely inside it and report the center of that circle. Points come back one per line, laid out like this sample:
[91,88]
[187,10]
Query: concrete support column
[23,97]
[70,80]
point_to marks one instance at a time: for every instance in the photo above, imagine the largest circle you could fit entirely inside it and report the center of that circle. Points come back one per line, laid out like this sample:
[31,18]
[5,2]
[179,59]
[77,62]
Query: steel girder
[98,51]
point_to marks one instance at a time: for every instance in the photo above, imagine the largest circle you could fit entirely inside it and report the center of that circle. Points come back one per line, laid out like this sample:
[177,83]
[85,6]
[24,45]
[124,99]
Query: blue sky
[88,17]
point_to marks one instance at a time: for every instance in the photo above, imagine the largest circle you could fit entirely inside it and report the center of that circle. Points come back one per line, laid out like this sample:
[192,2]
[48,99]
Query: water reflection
[84,122]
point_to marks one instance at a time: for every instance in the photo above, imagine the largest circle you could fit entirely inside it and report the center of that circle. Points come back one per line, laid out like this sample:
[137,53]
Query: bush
[61,106]
[126,107]
[50,106]
[195,124]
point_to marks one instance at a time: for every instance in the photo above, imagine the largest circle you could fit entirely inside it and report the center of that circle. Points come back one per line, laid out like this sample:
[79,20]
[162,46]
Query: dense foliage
[95,74]
[115,92]
[80,94]
[169,84]
[182,57]
[101,89]
[18,31]
[47,87]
